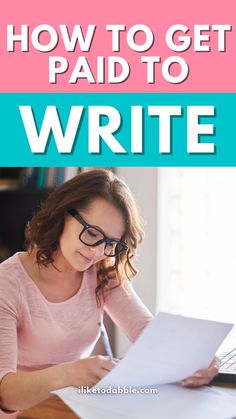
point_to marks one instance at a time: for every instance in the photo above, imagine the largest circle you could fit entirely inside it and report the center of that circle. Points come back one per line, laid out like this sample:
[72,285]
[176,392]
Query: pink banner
[204,45]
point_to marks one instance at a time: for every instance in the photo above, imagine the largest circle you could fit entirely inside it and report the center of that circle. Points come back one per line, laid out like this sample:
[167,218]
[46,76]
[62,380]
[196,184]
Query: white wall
[143,184]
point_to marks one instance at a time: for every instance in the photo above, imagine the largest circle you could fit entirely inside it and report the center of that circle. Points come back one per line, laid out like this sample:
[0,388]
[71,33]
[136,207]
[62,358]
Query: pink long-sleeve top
[36,333]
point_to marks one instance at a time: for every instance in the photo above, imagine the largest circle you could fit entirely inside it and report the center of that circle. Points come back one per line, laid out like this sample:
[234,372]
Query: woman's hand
[202,377]
[87,371]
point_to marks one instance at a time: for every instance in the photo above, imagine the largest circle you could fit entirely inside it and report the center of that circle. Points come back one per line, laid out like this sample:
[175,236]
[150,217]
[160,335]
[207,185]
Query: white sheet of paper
[172,401]
[169,349]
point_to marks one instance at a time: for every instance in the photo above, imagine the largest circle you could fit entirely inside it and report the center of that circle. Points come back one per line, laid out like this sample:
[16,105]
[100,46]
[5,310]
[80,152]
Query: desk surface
[55,408]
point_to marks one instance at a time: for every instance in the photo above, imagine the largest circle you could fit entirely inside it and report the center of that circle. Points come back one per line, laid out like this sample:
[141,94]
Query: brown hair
[46,226]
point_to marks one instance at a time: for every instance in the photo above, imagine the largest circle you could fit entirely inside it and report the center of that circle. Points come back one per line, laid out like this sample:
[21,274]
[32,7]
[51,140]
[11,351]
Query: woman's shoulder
[10,295]
[10,265]
[10,272]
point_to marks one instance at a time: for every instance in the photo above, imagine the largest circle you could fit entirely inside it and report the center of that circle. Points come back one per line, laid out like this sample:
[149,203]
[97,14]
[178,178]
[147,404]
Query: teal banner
[119,129]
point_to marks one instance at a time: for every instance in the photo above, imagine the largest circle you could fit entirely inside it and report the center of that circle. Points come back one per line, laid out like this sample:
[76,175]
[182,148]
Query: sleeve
[127,310]
[9,316]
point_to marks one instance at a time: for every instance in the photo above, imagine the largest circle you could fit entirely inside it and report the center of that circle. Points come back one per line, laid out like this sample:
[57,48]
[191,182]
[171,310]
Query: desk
[54,408]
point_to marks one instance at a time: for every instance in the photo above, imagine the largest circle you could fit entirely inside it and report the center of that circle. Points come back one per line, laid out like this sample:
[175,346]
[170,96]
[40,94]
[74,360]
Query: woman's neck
[58,271]
[56,282]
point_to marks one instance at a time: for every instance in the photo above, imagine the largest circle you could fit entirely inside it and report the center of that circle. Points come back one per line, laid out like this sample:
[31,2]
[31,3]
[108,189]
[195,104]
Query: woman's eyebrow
[100,229]
[108,236]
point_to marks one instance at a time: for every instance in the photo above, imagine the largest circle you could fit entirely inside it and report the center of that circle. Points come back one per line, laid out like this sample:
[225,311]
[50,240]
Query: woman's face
[101,214]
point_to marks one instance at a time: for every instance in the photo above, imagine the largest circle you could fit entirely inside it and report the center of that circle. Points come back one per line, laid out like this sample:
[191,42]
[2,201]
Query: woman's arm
[23,390]
[127,310]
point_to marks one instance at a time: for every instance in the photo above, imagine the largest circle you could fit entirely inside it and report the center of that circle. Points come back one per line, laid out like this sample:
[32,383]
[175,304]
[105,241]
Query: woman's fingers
[211,371]
[203,376]
[195,382]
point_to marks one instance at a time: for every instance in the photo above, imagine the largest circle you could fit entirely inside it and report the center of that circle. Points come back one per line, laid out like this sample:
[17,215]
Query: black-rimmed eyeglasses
[93,236]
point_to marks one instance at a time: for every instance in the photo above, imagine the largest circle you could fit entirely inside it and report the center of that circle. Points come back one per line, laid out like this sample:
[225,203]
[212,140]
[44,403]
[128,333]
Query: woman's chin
[82,262]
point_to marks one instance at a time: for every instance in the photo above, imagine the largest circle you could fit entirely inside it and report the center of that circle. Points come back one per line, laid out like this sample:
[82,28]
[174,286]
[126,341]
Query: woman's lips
[85,258]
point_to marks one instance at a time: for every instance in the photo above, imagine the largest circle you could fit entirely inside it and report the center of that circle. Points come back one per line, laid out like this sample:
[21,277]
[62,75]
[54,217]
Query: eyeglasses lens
[91,236]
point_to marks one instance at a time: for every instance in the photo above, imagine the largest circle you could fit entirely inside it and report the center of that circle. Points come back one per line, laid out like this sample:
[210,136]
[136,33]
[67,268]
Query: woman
[78,263]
